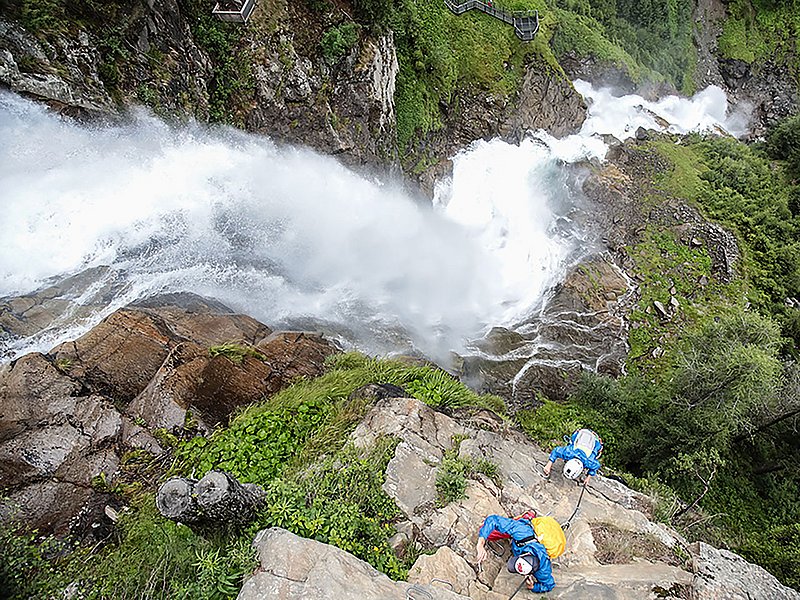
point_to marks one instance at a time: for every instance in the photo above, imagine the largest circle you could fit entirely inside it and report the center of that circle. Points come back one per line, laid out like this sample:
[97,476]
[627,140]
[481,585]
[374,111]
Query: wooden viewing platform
[526,23]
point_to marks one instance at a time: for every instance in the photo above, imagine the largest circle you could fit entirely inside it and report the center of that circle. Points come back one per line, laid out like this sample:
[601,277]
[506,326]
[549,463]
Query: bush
[783,142]
[338,41]
[453,472]
[778,551]
[29,564]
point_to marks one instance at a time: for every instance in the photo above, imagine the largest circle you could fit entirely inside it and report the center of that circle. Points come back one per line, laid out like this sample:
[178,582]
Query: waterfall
[112,214]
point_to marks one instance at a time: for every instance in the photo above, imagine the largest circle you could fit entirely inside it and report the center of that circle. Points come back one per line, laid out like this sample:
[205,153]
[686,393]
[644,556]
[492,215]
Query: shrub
[783,142]
[777,550]
[338,41]
[29,563]
[453,472]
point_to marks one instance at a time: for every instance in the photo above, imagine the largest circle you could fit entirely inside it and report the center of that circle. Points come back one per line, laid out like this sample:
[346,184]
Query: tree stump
[217,501]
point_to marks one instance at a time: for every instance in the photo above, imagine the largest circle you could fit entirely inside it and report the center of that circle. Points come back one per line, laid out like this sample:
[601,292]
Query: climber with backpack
[534,542]
[580,454]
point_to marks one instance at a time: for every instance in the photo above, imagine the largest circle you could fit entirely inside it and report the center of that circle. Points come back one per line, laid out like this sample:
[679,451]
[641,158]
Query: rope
[518,588]
[574,512]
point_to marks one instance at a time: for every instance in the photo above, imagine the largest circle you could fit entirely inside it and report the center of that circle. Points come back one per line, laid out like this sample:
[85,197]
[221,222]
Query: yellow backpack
[550,535]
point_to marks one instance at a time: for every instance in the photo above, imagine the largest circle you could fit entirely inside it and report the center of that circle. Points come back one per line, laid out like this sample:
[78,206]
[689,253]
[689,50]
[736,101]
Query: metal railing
[234,11]
[526,23]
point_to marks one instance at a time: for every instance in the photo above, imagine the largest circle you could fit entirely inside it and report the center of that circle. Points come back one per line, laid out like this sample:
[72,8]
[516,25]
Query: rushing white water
[280,233]
[283,234]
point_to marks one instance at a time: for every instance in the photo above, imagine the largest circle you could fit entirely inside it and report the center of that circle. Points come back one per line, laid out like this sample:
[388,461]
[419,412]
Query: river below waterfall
[97,217]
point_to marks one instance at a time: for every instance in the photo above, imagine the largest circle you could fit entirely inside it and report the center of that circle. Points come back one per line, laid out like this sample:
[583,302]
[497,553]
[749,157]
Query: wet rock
[33,389]
[120,355]
[601,73]
[345,109]
[30,66]
[214,386]
[544,100]
[46,505]
[580,328]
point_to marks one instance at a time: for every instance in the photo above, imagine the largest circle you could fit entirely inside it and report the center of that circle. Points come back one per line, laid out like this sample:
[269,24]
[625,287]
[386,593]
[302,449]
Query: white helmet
[573,468]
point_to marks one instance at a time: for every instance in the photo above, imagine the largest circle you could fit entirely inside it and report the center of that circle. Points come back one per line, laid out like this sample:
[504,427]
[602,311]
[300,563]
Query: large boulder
[295,567]
[68,418]
[723,574]
[121,355]
[212,387]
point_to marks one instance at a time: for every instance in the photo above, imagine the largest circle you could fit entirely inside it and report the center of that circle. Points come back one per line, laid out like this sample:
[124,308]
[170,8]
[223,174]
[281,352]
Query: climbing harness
[566,525]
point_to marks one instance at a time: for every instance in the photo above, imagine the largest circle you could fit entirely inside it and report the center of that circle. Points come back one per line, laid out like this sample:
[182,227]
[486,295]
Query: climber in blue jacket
[529,557]
[582,452]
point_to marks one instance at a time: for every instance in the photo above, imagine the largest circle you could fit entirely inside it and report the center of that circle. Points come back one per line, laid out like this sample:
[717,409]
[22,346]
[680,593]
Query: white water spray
[281,233]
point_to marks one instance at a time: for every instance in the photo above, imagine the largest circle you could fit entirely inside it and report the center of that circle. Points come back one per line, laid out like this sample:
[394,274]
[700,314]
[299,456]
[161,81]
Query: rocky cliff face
[614,550]
[545,100]
[76,72]
[276,80]
[71,420]
[766,92]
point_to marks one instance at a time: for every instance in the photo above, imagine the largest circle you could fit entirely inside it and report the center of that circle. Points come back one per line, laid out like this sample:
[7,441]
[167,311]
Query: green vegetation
[444,57]
[705,415]
[236,352]
[759,30]
[453,472]
[338,41]
[784,144]
[233,81]
[292,444]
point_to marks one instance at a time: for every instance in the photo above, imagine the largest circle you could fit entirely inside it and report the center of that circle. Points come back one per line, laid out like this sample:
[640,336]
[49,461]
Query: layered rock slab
[426,435]
[68,418]
[294,567]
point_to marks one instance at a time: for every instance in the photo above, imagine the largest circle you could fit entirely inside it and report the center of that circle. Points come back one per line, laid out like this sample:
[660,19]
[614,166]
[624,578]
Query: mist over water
[280,233]
[285,235]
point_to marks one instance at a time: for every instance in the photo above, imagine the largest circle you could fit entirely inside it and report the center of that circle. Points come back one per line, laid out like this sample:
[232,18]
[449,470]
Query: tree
[783,143]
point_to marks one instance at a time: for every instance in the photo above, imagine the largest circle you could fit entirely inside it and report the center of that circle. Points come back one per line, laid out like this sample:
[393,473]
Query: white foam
[621,116]
[282,233]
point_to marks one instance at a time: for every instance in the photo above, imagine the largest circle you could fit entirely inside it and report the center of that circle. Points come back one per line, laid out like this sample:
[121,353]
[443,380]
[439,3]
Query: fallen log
[216,501]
